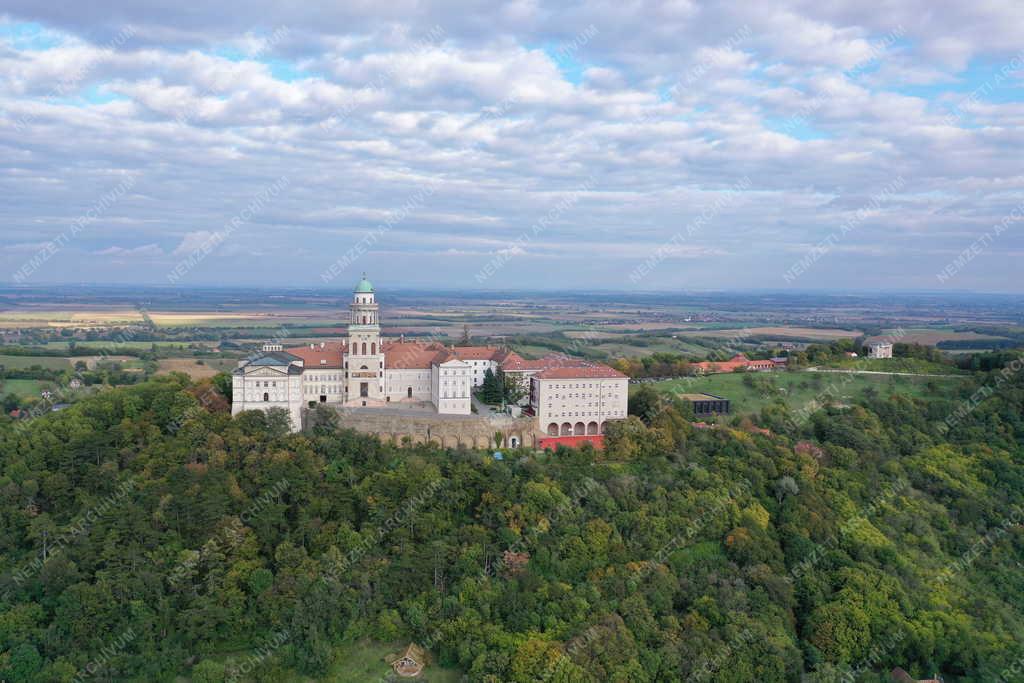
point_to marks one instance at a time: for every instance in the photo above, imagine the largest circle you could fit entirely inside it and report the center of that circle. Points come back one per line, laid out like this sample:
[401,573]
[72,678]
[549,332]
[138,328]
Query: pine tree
[490,390]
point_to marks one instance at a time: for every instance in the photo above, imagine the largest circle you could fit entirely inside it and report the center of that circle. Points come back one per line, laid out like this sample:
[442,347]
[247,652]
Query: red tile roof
[415,355]
[552,360]
[582,372]
[478,352]
[731,365]
[558,366]
[516,363]
[331,352]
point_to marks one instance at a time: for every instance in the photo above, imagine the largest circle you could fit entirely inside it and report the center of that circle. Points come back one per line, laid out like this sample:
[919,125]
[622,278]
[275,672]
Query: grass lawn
[22,388]
[364,661]
[21,362]
[796,389]
[894,365]
[353,662]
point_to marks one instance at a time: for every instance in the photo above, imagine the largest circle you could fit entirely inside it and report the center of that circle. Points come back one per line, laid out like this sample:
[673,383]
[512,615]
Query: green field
[99,344]
[23,388]
[797,389]
[915,365]
[21,362]
[624,349]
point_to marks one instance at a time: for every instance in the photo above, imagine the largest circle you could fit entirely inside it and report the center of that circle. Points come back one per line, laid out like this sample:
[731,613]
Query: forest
[147,535]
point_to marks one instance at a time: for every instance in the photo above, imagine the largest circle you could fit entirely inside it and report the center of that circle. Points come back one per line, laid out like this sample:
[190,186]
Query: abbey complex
[566,397]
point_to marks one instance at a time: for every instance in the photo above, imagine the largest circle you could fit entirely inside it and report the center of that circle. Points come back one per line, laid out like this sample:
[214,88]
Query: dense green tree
[868,536]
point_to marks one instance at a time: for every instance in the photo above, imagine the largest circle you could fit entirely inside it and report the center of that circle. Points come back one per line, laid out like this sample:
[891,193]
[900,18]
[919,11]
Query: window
[266,396]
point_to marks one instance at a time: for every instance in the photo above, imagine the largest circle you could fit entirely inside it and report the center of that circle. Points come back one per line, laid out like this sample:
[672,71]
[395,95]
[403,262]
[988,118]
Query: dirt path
[880,372]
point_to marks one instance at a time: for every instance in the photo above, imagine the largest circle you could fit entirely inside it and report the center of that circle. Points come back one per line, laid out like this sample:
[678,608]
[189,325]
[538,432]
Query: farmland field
[99,344]
[778,333]
[194,367]
[932,336]
[21,362]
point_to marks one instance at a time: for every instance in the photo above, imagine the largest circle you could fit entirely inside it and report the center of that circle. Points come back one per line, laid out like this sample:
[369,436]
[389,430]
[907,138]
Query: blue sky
[649,146]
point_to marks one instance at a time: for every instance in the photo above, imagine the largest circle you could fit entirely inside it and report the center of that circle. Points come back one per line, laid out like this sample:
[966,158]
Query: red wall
[572,441]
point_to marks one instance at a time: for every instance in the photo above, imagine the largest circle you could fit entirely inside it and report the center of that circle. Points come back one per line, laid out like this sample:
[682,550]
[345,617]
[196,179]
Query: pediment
[265,372]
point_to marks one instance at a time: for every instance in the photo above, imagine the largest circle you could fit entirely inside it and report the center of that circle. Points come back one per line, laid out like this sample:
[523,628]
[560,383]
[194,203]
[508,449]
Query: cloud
[661,108]
[146,251]
[193,241]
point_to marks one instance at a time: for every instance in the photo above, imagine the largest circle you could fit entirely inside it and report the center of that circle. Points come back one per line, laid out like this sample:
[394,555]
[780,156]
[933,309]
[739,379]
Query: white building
[365,370]
[880,350]
[578,400]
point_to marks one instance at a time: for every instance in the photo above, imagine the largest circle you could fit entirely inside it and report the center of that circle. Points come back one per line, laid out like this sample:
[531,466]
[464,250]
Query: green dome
[364,286]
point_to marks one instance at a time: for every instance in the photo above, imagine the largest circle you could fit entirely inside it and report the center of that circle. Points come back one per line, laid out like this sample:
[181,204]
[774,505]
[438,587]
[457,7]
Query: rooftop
[364,286]
[595,371]
[319,355]
[273,358]
[414,355]
[478,352]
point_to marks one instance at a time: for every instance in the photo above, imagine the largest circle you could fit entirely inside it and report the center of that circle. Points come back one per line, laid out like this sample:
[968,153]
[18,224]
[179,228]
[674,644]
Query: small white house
[880,350]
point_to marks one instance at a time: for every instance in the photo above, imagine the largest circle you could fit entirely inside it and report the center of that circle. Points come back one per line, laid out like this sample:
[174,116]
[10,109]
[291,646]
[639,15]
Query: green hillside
[145,535]
[750,392]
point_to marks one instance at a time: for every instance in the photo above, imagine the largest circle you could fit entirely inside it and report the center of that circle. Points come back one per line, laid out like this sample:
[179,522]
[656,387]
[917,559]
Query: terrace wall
[448,431]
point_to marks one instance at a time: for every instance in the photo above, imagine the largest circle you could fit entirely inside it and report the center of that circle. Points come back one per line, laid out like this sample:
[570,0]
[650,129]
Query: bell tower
[364,362]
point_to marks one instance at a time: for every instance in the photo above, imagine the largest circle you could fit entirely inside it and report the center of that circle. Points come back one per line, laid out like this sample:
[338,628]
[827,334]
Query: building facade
[880,350]
[737,362]
[578,400]
[367,371]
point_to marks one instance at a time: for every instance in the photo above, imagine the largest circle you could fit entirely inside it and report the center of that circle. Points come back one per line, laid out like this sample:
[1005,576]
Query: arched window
[364,319]
[373,348]
[266,396]
[409,392]
[364,348]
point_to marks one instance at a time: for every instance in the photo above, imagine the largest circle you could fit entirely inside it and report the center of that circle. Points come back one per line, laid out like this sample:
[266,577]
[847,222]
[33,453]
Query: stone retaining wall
[447,431]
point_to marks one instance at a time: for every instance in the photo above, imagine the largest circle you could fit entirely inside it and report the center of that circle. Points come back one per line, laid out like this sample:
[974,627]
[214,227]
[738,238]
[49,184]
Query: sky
[676,145]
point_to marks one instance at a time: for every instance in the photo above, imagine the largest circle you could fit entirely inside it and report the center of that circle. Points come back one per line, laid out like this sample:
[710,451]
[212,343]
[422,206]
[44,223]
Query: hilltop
[147,535]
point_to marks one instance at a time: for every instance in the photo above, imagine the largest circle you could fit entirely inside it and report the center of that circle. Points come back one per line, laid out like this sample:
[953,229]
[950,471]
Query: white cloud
[145,251]
[193,241]
[360,108]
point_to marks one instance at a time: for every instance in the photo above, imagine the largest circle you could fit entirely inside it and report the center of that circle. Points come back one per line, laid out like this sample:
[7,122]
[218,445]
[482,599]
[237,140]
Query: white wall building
[362,371]
[365,370]
[578,401]
[880,350]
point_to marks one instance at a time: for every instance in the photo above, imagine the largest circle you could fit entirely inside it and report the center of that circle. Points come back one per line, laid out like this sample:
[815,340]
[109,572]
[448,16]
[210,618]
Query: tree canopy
[146,534]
